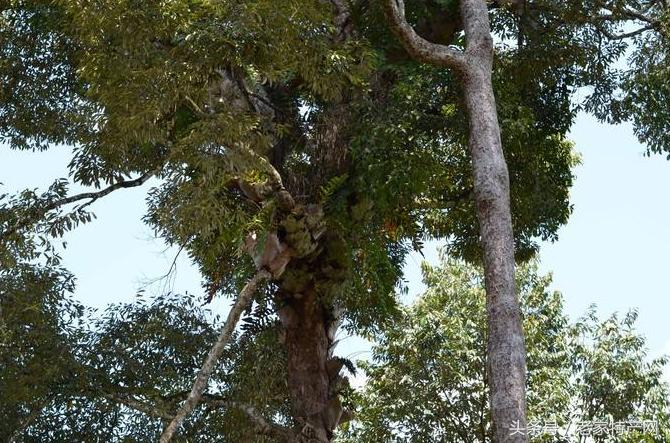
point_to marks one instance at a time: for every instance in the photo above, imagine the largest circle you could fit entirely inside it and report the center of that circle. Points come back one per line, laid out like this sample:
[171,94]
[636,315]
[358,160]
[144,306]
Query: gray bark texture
[506,347]
[202,379]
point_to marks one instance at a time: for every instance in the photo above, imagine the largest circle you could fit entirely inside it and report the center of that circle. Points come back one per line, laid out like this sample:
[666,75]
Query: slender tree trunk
[506,347]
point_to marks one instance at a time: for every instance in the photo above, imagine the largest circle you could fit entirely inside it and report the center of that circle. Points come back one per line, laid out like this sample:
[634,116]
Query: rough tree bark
[506,347]
[314,402]
[307,352]
[310,322]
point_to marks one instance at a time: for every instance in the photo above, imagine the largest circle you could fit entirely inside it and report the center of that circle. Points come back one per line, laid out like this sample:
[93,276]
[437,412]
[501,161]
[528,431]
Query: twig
[205,372]
[167,276]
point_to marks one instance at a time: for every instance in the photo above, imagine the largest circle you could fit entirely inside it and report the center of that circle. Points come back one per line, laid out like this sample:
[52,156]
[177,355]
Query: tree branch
[262,426]
[640,16]
[625,35]
[28,421]
[419,48]
[516,6]
[478,39]
[234,80]
[202,379]
[91,196]
[616,15]
[342,20]
[281,433]
[284,198]
[139,406]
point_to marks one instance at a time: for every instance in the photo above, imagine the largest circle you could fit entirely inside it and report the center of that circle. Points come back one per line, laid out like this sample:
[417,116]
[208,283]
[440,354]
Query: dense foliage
[297,120]
[426,380]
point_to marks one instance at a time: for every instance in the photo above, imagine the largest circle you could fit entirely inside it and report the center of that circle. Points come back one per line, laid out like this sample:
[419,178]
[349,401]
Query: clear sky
[613,251]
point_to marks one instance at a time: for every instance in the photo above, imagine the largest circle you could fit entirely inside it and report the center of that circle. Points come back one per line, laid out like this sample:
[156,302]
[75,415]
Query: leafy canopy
[426,380]
[228,103]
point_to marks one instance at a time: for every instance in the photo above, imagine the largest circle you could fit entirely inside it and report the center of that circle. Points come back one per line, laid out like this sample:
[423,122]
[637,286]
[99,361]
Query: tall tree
[474,67]
[426,380]
[292,148]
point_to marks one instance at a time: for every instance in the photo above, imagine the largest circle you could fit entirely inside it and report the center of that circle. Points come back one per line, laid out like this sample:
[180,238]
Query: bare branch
[626,14]
[625,35]
[202,379]
[167,277]
[640,16]
[421,49]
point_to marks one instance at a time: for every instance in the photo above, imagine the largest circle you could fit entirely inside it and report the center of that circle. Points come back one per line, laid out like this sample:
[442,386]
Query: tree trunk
[307,348]
[310,323]
[506,347]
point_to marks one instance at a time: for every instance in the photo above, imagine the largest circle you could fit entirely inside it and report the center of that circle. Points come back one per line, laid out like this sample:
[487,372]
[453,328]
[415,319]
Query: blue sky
[613,251]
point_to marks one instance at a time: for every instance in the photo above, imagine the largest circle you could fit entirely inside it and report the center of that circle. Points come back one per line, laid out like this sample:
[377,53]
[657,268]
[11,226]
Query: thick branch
[342,21]
[233,84]
[419,48]
[205,372]
[478,40]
